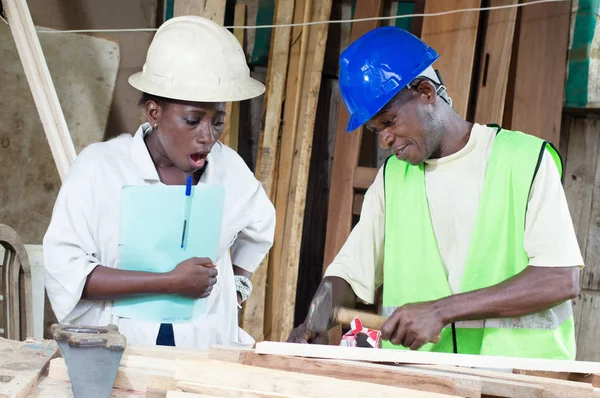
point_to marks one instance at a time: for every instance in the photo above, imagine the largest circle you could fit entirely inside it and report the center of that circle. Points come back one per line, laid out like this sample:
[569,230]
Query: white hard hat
[192,58]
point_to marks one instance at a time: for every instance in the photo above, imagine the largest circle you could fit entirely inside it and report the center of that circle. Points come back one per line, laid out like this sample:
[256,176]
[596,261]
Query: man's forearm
[534,289]
[105,283]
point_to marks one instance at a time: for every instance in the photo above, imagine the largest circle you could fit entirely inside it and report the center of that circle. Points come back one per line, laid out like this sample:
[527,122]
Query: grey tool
[92,355]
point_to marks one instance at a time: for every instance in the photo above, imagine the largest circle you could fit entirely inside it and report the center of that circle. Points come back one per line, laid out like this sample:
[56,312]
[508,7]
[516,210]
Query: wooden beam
[364,177]
[495,61]
[266,161]
[541,69]
[453,36]
[260,380]
[312,53]
[425,358]
[215,10]
[188,7]
[230,134]
[346,152]
[40,82]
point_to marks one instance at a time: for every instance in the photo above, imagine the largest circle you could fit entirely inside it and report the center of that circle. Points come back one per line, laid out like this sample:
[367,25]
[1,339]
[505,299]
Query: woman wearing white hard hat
[192,68]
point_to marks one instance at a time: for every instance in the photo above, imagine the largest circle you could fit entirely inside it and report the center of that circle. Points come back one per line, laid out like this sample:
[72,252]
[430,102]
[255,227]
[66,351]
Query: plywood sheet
[84,71]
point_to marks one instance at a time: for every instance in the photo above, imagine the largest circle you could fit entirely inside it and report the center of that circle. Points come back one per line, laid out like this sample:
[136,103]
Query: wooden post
[40,82]
[188,7]
[230,135]
[254,308]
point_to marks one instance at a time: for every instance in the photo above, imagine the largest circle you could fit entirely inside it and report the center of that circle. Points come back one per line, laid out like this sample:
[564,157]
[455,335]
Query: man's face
[407,125]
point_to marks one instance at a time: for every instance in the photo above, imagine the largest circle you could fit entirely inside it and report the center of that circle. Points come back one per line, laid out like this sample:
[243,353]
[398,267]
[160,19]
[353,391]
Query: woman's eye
[388,123]
[192,122]
[218,123]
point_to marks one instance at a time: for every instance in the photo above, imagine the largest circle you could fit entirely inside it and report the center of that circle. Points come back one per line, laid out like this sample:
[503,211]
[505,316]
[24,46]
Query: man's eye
[388,123]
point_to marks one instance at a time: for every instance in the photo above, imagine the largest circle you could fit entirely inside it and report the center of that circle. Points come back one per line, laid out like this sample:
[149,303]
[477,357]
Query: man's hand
[194,277]
[413,325]
[302,335]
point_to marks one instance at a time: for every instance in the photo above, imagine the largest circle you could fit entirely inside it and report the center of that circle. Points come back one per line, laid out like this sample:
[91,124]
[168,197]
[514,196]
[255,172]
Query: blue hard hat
[374,68]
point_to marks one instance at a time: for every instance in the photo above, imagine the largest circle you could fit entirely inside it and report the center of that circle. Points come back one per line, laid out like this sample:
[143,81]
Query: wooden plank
[40,82]
[188,7]
[51,388]
[255,306]
[364,177]
[426,358]
[272,381]
[589,327]
[163,352]
[285,156]
[180,394]
[230,136]
[593,379]
[22,364]
[346,153]
[580,173]
[590,278]
[452,384]
[453,36]
[207,389]
[313,45]
[539,91]
[215,10]
[551,387]
[495,61]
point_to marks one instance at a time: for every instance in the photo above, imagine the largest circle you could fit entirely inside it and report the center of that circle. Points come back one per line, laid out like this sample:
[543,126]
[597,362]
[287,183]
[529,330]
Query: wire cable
[342,21]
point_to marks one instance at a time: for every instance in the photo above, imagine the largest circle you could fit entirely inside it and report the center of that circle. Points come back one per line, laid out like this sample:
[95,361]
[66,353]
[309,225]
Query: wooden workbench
[35,369]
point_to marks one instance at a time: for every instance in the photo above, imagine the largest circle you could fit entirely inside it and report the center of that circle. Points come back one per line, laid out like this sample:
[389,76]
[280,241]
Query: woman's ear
[153,112]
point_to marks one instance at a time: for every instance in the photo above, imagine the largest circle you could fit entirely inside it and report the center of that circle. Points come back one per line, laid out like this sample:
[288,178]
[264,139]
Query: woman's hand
[194,277]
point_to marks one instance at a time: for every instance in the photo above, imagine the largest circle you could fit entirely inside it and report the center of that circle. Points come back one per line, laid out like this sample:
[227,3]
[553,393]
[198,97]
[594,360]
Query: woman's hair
[163,102]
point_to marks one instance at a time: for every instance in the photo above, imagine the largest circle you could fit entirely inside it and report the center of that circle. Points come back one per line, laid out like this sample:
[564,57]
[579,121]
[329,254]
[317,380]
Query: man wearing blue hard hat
[466,226]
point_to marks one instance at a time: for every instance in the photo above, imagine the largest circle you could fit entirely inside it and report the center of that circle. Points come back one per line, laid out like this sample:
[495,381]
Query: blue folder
[150,240]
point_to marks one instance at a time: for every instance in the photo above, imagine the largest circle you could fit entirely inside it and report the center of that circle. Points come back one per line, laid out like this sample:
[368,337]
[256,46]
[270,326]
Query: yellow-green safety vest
[413,269]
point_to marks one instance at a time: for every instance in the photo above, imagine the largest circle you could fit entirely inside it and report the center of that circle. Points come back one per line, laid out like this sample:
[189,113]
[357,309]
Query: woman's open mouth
[198,159]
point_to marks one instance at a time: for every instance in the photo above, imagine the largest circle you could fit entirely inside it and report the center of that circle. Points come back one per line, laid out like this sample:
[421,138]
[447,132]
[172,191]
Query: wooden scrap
[426,358]
[180,394]
[453,36]
[540,70]
[236,376]
[52,388]
[296,146]
[495,63]
[266,161]
[22,364]
[346,153]
[162,352]
[593,379]
[40,82]
[207,389]
[230,134]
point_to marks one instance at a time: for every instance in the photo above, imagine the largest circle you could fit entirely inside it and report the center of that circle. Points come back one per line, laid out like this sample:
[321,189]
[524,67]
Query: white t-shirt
[454,184]
[84,232]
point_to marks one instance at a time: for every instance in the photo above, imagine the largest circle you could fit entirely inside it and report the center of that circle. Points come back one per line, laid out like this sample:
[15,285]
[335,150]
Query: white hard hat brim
[238,90]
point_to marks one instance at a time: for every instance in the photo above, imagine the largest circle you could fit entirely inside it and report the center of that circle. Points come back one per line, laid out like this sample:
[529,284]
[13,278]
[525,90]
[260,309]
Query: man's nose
[386,139]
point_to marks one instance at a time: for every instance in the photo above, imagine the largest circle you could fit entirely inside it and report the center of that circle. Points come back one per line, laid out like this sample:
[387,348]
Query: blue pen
[186,211]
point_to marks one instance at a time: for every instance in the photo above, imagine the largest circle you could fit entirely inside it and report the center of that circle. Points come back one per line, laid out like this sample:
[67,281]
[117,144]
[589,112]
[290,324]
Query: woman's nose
[205,135]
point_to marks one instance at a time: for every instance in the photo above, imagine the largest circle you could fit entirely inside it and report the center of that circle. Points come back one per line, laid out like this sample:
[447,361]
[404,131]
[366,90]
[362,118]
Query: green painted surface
[579,57]
[262,40]
[405,8]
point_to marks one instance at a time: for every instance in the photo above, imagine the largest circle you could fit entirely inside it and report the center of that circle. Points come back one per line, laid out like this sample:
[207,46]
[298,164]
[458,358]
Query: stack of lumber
[290,370]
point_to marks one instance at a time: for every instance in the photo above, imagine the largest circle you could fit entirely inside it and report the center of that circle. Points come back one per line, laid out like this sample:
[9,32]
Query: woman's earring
[156,126]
